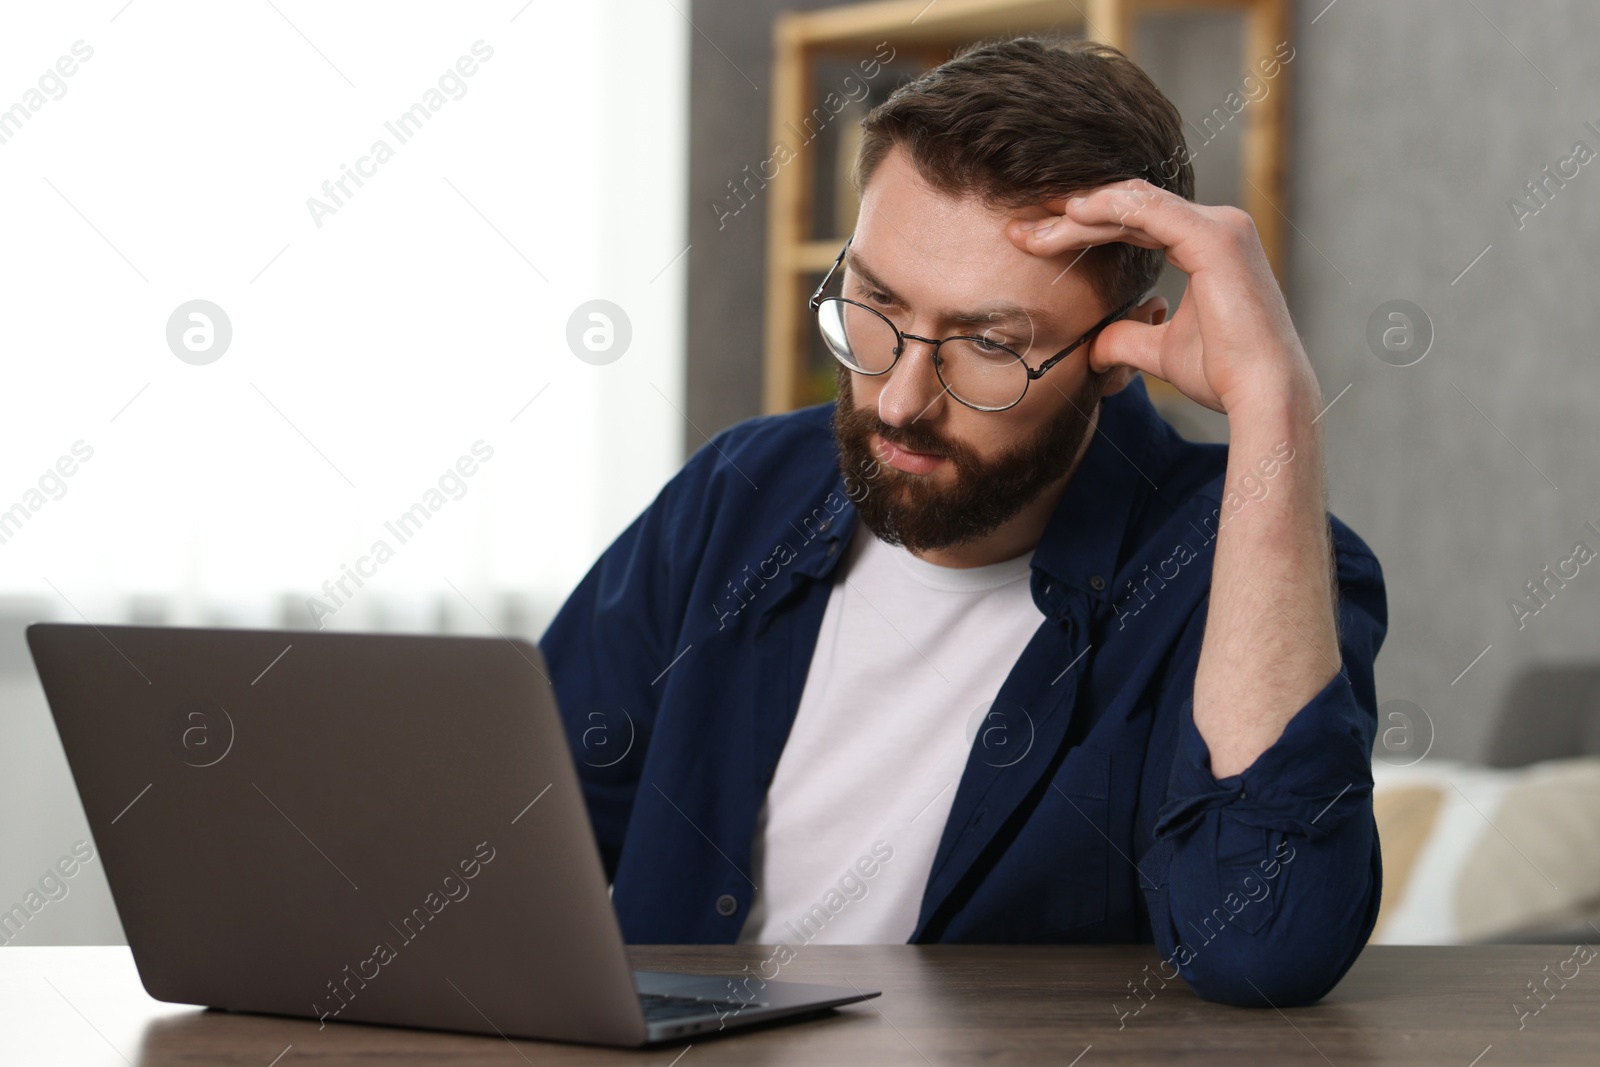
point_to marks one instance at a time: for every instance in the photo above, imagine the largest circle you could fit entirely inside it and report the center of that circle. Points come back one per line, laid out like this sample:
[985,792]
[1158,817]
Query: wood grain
[942,1004]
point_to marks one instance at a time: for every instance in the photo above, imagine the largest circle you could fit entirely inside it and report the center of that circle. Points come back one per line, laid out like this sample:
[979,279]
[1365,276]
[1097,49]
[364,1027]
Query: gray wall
[1415,123]
[1411,126]
[730,102]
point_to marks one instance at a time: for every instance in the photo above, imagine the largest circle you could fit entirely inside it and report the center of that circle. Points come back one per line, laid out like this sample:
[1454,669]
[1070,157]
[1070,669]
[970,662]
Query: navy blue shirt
[1087,811]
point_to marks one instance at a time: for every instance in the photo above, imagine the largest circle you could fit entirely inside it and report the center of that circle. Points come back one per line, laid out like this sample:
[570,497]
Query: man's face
[945,474]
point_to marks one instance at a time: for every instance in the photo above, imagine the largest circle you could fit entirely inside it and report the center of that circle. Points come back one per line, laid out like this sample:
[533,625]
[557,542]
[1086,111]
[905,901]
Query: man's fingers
[1056,234]
[1191,234]
[1127,343]
[1131,212]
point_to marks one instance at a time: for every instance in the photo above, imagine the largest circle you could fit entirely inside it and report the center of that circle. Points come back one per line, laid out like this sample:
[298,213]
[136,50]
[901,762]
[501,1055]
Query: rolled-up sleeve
[1264,886]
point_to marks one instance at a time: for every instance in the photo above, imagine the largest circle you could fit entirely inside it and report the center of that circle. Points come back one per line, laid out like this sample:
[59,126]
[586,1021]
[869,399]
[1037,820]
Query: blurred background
[272,269]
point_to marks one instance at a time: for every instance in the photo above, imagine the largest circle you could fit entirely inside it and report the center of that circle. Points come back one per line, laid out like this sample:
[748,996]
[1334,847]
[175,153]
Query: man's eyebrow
[992,312]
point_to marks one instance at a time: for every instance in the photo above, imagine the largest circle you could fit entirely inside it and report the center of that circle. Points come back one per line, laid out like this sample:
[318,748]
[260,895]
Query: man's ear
[1153,312]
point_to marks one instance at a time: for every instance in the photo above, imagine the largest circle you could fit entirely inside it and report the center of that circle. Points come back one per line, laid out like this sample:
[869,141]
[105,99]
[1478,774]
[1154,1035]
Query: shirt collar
[1082,543]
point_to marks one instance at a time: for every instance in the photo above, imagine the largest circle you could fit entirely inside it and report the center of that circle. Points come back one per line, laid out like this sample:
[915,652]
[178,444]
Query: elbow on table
[1299,953]
[1296,957]
[1298,947]
[1269,976]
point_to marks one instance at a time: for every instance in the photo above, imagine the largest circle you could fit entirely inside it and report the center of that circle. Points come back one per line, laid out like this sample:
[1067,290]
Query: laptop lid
[367,827]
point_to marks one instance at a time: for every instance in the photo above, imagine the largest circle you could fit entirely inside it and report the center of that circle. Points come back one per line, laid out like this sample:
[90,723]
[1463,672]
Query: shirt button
[727,905]
[833,546]
[1096,582]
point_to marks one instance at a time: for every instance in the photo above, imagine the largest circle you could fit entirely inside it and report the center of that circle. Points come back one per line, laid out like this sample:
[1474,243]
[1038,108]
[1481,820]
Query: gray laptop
[376,828]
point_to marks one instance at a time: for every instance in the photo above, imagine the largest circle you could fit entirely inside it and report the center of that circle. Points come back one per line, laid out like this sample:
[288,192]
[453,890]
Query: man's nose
[913,391]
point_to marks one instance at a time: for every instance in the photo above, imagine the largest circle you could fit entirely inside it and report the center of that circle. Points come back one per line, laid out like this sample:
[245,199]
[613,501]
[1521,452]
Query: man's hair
[1022,121]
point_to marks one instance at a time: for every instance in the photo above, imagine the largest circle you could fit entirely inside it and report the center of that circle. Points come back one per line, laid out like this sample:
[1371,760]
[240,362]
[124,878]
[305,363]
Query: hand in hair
[1232,344]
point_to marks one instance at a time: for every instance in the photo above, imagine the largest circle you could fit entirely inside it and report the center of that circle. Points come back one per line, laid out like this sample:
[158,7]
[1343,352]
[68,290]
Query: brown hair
[1026,120]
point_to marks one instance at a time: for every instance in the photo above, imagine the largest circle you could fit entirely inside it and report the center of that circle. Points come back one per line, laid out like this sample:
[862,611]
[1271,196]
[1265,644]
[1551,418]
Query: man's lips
[903,459]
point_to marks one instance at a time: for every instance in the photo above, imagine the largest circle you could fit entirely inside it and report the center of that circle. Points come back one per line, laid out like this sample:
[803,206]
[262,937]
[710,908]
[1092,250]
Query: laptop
[351,827]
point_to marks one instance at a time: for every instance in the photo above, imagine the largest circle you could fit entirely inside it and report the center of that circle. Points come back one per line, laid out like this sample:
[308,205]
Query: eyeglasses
[979,373]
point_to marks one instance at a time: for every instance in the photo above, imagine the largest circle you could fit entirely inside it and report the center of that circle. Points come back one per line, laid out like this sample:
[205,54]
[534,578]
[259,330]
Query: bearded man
[984,651]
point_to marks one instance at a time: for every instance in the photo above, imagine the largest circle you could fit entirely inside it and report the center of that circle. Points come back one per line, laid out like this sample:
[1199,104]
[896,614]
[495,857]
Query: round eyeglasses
[980,373]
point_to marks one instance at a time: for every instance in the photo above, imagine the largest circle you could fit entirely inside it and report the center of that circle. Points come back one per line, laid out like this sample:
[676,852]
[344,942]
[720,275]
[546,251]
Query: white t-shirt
[909,656]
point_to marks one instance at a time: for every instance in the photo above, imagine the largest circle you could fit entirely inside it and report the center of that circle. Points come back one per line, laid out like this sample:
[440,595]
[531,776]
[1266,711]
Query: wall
[1473,469]
[730,100]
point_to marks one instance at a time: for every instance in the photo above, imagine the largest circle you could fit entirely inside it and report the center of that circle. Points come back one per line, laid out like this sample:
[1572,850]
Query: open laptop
[377,828]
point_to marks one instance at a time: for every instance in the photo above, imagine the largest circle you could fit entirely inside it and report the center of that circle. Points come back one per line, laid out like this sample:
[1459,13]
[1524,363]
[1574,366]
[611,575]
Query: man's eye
[875,296]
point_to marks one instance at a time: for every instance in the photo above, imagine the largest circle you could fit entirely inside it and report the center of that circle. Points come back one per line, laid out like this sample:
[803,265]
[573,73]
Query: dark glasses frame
[817,299]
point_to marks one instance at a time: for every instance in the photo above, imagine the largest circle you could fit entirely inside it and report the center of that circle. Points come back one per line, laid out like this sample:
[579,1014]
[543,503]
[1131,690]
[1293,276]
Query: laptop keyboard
[662,1006]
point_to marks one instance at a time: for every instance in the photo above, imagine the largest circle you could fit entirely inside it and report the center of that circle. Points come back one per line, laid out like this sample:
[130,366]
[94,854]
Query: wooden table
[940,1005]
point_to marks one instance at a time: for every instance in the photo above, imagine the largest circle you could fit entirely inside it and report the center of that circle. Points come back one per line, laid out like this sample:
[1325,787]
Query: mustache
[912,437]
[915,437]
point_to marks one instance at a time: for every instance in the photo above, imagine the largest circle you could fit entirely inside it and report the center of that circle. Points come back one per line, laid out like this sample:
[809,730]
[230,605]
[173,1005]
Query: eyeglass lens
[979,374]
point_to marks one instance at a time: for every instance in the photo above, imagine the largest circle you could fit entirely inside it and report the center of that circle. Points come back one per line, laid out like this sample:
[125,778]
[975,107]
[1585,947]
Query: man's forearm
[1271,641]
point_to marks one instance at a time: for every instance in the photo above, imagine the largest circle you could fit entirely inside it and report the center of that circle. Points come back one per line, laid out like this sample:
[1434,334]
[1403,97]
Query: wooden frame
[930,31]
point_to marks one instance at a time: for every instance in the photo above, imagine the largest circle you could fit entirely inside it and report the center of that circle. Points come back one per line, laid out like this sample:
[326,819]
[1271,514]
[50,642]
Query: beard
[912,511]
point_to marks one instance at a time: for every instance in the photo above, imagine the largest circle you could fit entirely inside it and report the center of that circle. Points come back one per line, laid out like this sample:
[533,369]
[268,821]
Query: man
[985,651]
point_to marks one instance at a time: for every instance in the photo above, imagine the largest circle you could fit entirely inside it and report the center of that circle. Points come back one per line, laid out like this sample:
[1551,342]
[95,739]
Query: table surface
[941,1004]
